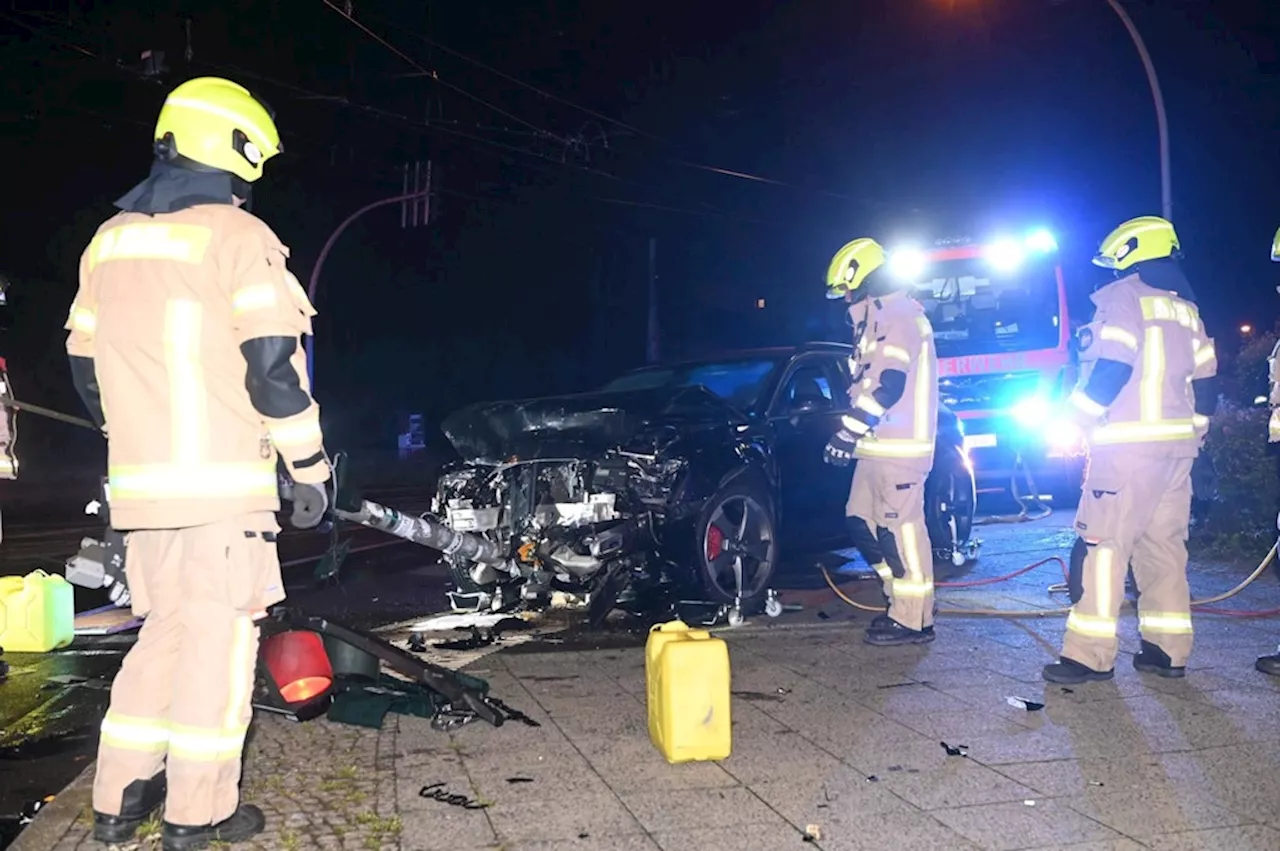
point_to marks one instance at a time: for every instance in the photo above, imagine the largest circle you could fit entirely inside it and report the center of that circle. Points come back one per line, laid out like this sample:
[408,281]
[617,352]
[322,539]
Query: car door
[805,414]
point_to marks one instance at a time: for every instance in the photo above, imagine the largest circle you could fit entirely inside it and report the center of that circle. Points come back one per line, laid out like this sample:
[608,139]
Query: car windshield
[738,382]
[978,310]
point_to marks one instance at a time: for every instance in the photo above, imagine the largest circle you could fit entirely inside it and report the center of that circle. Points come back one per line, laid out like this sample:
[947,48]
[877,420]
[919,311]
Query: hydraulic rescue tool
[101,564]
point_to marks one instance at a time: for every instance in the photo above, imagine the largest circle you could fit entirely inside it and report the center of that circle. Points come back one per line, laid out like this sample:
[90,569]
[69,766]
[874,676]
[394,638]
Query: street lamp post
[324,253]
[1162,124]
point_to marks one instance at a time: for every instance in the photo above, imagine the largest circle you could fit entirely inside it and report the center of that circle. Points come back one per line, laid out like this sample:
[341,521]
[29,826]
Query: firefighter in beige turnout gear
[1271,664]
[1145,396]
[8,414]
[890,433]
[185,347]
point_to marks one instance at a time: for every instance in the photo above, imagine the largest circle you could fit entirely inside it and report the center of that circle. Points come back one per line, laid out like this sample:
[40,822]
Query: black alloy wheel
[737,542]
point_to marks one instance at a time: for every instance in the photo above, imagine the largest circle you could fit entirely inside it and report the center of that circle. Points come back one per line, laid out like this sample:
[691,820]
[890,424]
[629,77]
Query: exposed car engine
[572,525]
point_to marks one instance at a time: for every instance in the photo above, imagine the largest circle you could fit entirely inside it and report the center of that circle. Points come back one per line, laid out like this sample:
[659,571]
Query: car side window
[843,378]
[809,388]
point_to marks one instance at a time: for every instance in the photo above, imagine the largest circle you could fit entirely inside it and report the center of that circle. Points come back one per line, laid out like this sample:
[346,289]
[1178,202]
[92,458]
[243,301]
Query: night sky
[564,135]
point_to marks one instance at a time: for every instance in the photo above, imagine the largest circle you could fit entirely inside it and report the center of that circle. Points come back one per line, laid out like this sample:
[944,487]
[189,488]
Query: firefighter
[185,347]
[8,414]
[1145,396]
[890,431]
[1271,664]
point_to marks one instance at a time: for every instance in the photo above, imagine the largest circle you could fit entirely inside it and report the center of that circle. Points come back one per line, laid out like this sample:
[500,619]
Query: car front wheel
[737,544]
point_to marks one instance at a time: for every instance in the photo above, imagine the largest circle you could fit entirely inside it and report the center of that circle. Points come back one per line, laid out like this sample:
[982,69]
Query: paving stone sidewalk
[827,732]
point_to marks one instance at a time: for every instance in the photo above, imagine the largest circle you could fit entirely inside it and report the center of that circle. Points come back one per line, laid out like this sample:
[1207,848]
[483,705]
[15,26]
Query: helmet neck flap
[180,183]
[1164,273]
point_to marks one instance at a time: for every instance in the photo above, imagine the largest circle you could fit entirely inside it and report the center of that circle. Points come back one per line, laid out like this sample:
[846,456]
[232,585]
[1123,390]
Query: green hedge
[1238,518]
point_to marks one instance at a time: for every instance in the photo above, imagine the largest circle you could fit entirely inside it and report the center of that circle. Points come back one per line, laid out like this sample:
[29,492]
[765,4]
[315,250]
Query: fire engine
[1006,356]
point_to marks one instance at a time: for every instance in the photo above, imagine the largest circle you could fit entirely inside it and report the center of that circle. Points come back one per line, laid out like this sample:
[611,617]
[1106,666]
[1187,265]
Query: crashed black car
[684,481]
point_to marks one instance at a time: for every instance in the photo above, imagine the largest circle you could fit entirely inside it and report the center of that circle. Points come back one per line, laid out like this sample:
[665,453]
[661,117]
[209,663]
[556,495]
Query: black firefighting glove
[310,503]
[839,449]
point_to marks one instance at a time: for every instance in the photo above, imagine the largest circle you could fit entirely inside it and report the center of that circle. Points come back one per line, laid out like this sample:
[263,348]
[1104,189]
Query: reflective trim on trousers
[1091,626]
[1167,623]
[894,448]
[126,733]
[907,588]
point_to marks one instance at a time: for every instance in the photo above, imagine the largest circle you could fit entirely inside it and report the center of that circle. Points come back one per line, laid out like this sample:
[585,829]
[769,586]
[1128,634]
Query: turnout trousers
[181,701]
[1135,509]
[886,518]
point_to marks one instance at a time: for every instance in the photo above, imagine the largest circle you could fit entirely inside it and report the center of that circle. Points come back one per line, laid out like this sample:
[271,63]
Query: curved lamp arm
[312,285]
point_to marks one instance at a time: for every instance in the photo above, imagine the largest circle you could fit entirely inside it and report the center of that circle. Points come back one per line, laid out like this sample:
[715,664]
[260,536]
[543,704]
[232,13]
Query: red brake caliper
[715,542]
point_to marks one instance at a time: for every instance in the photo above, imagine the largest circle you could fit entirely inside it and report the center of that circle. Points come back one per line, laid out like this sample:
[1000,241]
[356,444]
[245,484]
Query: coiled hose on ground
[1203,606]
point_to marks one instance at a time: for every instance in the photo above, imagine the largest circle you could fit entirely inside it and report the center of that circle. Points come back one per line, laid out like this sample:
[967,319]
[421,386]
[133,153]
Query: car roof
[771,352]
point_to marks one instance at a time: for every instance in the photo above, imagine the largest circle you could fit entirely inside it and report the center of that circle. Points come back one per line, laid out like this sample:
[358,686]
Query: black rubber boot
[141,798]
[1069,672]
[246,822]
[891,633]
[1152,660]
[1269,664]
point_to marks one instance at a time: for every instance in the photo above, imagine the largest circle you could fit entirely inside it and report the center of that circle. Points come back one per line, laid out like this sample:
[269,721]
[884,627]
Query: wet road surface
[52,703]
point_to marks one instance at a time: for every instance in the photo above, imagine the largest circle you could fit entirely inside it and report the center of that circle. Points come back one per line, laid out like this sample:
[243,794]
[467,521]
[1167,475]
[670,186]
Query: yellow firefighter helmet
[1135,241]
[218,124]
[851,265]
[1275,247]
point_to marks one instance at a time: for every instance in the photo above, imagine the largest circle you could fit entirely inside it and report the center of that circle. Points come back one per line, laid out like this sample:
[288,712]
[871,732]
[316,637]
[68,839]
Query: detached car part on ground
[659,489]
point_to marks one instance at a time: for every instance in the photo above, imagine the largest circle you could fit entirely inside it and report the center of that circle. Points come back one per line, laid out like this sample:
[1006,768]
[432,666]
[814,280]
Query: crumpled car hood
[577,426]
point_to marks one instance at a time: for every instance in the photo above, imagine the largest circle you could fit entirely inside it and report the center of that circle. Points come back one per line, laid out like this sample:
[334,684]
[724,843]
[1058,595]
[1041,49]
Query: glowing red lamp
[296,660]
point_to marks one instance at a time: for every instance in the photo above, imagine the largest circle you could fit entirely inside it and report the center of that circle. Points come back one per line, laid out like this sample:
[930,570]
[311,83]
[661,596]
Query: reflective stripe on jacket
[1162,338]
[898,336]
[163,306]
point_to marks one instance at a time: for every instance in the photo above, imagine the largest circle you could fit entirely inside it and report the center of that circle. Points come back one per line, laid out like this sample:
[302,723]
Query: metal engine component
[427,531]
[87,567]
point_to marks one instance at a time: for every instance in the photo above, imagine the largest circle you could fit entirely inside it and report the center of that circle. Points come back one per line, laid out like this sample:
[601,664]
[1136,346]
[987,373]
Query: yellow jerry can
[37,612]
[686,675]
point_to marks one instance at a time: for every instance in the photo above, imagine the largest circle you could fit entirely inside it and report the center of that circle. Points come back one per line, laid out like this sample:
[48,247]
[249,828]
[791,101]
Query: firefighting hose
[427,531]
[1025,502]
[1204,606]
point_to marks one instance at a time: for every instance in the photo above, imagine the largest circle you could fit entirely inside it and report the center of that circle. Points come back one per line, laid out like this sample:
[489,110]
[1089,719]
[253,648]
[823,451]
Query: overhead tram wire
[740,175]
[301,93]
[538,132]
[433,75]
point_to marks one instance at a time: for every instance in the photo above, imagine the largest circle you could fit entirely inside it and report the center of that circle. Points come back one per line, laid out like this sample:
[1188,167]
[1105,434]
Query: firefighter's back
[1154,412]
[186,446]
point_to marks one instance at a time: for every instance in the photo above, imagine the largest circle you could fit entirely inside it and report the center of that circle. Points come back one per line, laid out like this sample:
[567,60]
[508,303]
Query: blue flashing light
[1041,242]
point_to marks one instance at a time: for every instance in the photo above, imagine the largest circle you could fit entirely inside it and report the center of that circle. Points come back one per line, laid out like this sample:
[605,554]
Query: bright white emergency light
[1006,255]
[1032,412]
[1063,435]
[908,263]
[1041,242]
